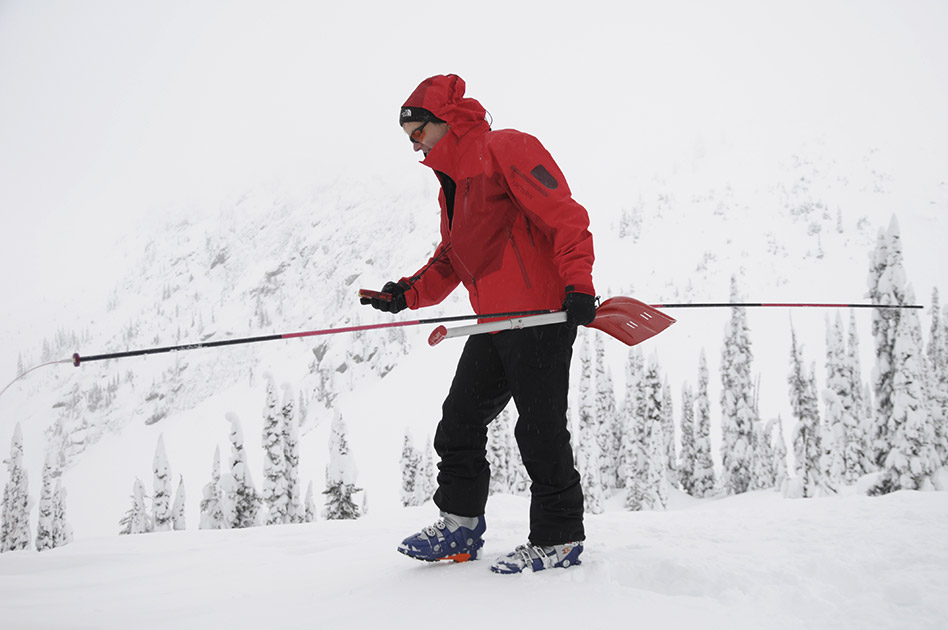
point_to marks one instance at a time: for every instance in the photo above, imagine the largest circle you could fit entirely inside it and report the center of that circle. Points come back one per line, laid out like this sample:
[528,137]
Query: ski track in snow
[752,561]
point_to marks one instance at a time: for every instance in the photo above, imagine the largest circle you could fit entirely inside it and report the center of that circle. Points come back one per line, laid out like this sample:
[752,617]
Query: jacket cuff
[588,289]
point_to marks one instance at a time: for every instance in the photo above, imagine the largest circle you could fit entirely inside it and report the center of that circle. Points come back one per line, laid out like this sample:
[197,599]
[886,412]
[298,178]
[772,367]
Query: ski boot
[537,558]
[453,537]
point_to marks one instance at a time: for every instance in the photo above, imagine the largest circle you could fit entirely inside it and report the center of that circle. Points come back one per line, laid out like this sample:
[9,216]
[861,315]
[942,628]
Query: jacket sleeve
[434,282]
[539,188]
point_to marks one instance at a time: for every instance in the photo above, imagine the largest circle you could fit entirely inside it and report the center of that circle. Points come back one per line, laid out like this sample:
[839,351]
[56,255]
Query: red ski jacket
[514,236]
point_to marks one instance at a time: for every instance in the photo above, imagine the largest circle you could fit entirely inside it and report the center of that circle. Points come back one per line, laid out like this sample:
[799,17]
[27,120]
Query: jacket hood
[443,96]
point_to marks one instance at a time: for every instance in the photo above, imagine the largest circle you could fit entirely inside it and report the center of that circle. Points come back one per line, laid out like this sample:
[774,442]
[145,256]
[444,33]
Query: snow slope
[747,562]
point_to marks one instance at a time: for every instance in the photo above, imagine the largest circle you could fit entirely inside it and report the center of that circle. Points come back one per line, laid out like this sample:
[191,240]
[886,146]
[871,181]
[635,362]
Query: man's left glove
[398,301]
[580,309]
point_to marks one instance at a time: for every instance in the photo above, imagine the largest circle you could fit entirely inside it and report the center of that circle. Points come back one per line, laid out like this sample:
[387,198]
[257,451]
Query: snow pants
[530,365]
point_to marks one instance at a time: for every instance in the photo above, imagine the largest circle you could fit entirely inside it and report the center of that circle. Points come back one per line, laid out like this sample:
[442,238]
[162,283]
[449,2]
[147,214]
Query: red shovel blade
[629,320]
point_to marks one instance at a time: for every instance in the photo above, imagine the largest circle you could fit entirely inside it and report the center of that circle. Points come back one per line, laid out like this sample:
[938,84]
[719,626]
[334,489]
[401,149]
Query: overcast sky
[113,112]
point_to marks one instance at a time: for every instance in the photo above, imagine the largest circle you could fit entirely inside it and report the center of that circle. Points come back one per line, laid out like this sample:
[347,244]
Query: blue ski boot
[538,558]
[453,537]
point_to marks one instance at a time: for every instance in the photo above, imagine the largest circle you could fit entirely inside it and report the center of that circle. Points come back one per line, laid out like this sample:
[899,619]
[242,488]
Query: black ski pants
[530,365]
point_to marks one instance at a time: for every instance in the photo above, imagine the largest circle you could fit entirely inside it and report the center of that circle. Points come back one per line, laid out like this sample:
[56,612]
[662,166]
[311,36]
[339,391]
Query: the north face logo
[406,113]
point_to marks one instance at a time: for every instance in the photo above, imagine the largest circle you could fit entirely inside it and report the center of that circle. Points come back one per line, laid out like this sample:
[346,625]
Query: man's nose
[417,146]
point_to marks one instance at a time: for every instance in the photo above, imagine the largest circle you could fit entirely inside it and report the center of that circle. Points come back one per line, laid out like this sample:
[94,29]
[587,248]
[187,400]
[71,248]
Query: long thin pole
[77,359]
[784,305]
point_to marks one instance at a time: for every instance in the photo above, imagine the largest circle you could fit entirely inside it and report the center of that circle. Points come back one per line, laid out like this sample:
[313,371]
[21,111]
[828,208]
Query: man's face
[424,135]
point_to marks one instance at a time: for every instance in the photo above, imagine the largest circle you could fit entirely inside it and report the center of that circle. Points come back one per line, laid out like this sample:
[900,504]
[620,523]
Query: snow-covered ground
[748,562]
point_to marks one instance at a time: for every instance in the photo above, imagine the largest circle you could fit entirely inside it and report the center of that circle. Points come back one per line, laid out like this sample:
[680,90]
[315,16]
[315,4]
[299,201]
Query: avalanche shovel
[624,318]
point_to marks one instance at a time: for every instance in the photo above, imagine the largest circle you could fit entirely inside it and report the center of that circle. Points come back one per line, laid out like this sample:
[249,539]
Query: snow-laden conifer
[780,467]
[737,401]
[807,447]
[938,364]
[341,474]
[47,504]
[15,529]
[856,420]
[587,444]
[178,518]
[668,435]
[241,493]
[161,502]
[764,471]
[62,530]
[427,473]
[291,451]
[499,454]
[835,397]
[687,454]
[212,512]
[628,430]
[409,463]
[309,505]
[647,484]
[137,519]
[705,481]
[274,458]
[607,417]
[911,459]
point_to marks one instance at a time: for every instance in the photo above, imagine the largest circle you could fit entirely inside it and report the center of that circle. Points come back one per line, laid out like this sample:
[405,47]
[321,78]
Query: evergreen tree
[687,456]
[737,401]
[309,505]
[47,505]
[410,462]
[938,364]
[807,449]
[427,474]
[212,512]
[274,493]
[498,454]
[607,418]
[668,435]
[704,482]
[587,446]
[781,476]
[856,421]
[136,520]
[340,475]
[764,468]
[62,531]
[647,484]
[632,443]
[291,453]
[178,521]
[242,495]
[886,287]
[161,503]
[517,479]
[833,433]
[911,459]
[15,530]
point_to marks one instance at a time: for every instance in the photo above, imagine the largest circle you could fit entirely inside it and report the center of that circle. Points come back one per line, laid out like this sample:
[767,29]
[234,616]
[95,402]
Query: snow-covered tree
[274,458]
[607,417]
[409,463]
[938,364]
[212,512]
[587,444]
[781,475]
[668,435]
[291,452]
[15,530]
[427,474]
[47,504]
[835,395]
[136,520]
[856,421]
[628,429]
[62,530]
[161,502]
[911,459]
[341,475]
[737,401]
[241,493]
[647,483]
[309,505]
[499,455]
[686,457]
[704,479]
[764,470]
[807,448]
[178,521]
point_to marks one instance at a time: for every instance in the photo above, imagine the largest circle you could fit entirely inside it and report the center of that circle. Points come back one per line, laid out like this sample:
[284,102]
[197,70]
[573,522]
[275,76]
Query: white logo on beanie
[406,113]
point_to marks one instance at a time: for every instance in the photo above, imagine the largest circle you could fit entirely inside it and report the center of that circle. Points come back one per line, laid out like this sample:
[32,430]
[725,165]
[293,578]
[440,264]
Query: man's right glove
[398,301]
[580,309]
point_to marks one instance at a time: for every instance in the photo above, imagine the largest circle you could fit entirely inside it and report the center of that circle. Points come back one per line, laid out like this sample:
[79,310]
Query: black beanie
[416,114]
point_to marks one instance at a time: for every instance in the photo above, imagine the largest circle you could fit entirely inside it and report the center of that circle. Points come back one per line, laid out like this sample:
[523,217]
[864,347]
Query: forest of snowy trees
[632,444]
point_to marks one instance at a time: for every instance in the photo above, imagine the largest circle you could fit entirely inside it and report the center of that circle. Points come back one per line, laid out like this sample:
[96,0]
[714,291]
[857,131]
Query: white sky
[113,112]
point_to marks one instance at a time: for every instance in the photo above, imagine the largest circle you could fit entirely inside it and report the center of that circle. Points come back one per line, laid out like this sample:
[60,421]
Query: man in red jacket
[512,234]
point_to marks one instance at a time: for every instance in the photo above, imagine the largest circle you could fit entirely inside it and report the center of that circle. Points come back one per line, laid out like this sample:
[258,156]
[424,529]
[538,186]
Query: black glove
[580,309]
[398,301]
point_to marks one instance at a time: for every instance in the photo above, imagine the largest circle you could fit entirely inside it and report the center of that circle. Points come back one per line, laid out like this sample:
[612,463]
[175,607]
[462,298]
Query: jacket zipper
[516,250]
